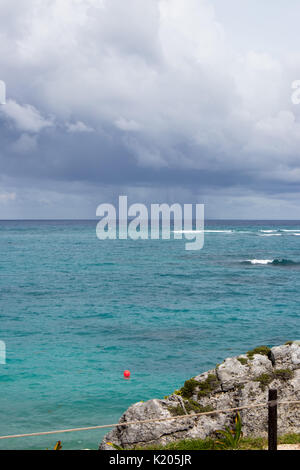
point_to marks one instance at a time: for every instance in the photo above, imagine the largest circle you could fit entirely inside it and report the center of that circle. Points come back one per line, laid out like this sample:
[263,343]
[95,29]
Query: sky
[164,101]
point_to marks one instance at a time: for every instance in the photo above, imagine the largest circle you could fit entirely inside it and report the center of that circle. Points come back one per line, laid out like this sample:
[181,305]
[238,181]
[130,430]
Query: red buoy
[127,374]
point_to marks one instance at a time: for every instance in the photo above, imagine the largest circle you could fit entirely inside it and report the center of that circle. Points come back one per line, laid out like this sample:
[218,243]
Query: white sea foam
[270,235]
[218,231]
[260,261]
[187,231]
[261,233]
[201,231]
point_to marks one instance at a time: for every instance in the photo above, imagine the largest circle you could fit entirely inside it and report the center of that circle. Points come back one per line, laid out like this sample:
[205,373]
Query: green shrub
[283,374]
[176,410]
[264,380]
[208,386]
[190,406]
[187,391]
[263,350]
[231,437]
[242,360]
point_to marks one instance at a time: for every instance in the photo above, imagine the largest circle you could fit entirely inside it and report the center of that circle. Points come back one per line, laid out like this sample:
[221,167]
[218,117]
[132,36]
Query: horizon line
[97,219]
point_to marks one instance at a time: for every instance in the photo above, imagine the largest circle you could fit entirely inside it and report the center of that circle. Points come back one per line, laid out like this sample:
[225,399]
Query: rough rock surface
[238,381]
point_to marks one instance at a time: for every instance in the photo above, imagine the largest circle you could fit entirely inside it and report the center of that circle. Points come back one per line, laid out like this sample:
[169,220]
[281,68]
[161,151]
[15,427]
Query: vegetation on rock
[246,443]
[281,374]
[208,386]
[188,389]
[263,350]
[264,380]
[190,406]
[231,437]
[243,360]
[221,389]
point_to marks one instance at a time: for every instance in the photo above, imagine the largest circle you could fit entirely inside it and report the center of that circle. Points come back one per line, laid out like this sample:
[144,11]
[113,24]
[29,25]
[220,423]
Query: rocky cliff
[238,381]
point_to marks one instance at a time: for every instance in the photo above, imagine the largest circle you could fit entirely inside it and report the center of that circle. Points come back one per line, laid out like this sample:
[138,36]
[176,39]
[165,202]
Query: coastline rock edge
[239,381]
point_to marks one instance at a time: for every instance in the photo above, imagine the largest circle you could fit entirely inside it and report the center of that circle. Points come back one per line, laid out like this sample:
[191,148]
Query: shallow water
[76,312]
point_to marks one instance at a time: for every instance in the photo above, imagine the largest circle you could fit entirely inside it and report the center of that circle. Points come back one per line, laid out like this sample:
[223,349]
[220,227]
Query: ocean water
[76,312]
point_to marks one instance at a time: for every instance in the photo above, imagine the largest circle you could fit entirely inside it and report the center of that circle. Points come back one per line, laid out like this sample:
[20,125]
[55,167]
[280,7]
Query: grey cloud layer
[110,94]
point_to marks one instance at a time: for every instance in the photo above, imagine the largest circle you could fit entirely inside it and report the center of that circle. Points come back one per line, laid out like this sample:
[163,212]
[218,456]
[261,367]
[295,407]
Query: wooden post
[272,420]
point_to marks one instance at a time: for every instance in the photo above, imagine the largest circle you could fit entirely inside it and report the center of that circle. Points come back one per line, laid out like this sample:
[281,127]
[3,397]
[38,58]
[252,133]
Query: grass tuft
[208,386]
[263,350]
[243,360]
[246,443]
[190,406]
[264,380]
[283,374]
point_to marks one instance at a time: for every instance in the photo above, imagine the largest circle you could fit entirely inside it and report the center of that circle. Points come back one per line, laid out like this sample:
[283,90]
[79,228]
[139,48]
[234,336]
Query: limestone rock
[237,382]
[287,356]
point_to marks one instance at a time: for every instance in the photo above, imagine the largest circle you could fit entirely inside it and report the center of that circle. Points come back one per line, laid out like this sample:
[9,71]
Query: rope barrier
[147,421]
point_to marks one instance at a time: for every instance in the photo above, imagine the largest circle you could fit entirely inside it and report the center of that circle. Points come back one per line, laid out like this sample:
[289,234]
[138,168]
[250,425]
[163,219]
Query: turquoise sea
[76,312]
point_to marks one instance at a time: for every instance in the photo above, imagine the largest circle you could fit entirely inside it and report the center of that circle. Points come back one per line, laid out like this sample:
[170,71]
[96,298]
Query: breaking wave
[268,231]
[201,231]
[270,235]
[274,262]
[285,230]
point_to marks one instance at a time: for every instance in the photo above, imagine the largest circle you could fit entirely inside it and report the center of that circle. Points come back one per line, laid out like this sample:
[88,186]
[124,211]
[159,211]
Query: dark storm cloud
[143,97]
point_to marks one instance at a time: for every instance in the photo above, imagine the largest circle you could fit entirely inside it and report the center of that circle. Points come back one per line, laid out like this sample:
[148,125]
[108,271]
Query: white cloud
[189,32]
[127,124]
[2,92]
[159,76]
[78,126]
[26,117]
